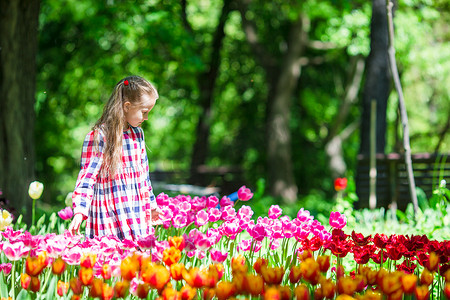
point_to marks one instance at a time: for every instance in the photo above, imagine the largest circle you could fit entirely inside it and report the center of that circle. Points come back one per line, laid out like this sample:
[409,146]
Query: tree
[18,48]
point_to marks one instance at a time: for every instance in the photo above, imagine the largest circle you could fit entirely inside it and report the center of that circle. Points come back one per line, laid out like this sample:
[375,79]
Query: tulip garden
[211,248]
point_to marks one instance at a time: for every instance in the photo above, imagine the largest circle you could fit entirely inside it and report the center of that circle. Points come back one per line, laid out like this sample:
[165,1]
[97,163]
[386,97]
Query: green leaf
[3,287]
[41,221]
[23,295]
[51,289]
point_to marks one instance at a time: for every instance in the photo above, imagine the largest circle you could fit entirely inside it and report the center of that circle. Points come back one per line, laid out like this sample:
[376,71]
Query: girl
[113,192]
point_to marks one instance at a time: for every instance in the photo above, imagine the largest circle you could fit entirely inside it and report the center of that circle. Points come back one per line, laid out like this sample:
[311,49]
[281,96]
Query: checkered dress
[121,205]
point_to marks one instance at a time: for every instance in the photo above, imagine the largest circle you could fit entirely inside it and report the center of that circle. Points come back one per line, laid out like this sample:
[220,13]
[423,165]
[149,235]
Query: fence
[392,177]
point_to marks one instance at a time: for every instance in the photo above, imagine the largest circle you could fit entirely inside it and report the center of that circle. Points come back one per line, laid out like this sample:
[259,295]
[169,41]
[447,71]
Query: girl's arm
[91,162]
[144,160]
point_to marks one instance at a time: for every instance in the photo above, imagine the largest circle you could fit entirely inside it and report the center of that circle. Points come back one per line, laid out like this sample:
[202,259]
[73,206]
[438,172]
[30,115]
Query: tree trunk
[207,82]
[18,48]
[377,85]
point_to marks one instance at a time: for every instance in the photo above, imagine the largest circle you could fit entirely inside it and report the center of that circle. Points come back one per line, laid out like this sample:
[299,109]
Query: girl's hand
[156,216]
[74,227]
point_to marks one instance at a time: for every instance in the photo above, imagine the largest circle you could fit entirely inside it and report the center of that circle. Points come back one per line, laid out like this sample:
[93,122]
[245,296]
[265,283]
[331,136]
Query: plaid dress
[121,205]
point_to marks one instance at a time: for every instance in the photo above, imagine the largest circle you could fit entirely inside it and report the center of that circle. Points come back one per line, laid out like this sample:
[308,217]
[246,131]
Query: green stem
[13,281]
[33,213]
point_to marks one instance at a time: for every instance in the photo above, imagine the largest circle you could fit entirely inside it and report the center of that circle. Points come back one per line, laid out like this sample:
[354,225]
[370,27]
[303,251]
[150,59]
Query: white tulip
[35,190]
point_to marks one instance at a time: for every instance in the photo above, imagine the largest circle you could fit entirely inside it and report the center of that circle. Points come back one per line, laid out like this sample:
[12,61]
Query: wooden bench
[392,178]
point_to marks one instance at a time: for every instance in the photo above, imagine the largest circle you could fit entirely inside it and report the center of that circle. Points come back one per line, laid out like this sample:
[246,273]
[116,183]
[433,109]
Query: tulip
[106,271]
[6,268]
[62,288]
[422,292]
[259,263]
[76,286]
[244,193]
[225,290]
[254,285]
[35,265]
[390,282]
[176,271]
[194,277]
[142,290]
[5,219]
[88,260]
[340,184]
[337,220]
[35,284]
[217,256]
[65,213]
[433,262]
[301,292]
[447,290]
[295,274]
[35,190]
[177,242]
[275,211]
[409,282]
[328,289]
[272,294]
[128,268]
[188,293]
[96,288]
[121,289]
[15,251]
[107,292]
[324,263]
[171,255]
[272,275]
[426,278]
[309,269]
[346,285]
[156,276]
[58,266]
[86,276]
[25,281]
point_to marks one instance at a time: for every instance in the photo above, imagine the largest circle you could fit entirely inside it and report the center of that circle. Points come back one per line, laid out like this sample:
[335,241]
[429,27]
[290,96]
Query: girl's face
[136,114]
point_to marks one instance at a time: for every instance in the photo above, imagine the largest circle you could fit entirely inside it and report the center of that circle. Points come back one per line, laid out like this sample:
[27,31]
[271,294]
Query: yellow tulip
[35,190]
[5,219]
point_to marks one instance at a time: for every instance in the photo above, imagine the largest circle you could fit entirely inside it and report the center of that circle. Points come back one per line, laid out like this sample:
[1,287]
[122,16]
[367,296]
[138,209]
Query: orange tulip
[58,266]
[301,292]
[272,294]
[171,255]
[304,255]
[390,283]
[177,242]
[107,292]
[157,276]
[371,295]
[397,295]
[433,262]
[285,292]
[426,278]
[258,263]
[188,293]
[62,288]
[225,290]
[344,297]
[318,294]
[295,274]
[35,284]
[328,289]
[254,285]
[346,285]
[75,297]
[96,288]
[409,282]
[309,269]
[106,271]
[380,275]
[176,270]
[324,263]
[128,268]
[194,277]
[25,281]
[422,292]
[208,294]
[169,293]
[272,275]
[86,276]
[142,290]
[76,286]
[220,270]
[88,260]
[34,265]
[238,264]
[121,289]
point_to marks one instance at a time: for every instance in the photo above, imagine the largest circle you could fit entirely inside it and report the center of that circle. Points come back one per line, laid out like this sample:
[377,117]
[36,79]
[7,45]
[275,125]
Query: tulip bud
[35,190]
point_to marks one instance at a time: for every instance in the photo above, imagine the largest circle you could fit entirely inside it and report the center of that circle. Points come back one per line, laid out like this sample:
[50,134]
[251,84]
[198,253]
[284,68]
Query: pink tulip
[275,211]
[201,218]
[180,220]
[146,242]
[289,229]
[275,244]
[212,201]
[185,207]
[214,235]
[258,232]
[244,245]
[6,268]
[245,212]
[230,229]
[244,193]
[201,254]
[72,256]
[225,201]
[217,256]
[162,200]
[228,213]
[65,213]
[203,242]
[304,215]
[214,214]
[337,220]
[15,251]
[10,234]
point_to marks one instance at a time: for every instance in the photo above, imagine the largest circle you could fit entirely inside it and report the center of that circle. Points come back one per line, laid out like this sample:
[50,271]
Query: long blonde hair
[112,122]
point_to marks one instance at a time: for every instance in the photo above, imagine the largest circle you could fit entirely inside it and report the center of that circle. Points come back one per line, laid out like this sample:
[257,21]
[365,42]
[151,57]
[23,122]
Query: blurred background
[274,95]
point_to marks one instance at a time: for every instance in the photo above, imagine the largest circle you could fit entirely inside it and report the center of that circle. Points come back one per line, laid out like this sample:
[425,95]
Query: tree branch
[186,23]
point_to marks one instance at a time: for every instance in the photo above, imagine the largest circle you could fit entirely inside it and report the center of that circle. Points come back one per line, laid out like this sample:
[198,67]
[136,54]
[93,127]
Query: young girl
[113,192]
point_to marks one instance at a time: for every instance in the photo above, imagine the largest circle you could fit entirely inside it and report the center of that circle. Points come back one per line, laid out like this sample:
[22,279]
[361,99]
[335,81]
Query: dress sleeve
[144,161]
[91,162]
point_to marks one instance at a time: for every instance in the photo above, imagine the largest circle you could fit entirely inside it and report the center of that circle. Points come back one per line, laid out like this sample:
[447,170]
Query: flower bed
[207,249]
